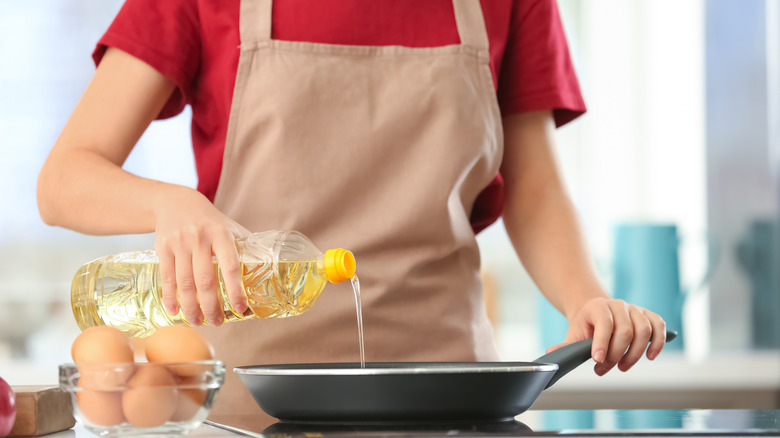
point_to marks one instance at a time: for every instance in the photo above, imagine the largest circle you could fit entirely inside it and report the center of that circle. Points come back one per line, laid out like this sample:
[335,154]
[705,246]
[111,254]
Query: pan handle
[573,355]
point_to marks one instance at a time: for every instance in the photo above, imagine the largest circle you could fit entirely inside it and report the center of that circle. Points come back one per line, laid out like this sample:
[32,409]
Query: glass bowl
[142,398]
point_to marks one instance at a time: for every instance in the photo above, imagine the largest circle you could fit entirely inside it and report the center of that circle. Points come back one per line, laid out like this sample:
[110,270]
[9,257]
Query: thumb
[557,346]
[570,338]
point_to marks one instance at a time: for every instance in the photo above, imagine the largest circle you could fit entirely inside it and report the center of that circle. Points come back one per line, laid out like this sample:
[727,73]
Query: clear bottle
[283,275]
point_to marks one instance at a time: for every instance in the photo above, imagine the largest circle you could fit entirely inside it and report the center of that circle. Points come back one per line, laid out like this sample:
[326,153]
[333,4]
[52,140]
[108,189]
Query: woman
[373,126]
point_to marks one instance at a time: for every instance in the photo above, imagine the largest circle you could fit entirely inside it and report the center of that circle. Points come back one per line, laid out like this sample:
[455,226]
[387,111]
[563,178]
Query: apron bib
[379,150]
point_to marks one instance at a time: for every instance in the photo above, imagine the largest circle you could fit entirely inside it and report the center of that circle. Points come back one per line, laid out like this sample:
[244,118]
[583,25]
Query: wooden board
[41,410]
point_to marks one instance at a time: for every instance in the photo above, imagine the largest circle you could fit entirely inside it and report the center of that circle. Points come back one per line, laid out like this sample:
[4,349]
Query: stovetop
[545,423]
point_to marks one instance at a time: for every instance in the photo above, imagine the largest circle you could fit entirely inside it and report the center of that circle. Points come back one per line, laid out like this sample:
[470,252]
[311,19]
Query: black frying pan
[409,391]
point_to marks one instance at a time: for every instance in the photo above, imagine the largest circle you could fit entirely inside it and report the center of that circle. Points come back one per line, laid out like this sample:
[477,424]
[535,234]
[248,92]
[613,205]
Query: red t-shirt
[195,43]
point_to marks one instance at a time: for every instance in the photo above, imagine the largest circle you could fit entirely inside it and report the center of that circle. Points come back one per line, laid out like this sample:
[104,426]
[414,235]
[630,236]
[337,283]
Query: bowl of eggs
[168,394]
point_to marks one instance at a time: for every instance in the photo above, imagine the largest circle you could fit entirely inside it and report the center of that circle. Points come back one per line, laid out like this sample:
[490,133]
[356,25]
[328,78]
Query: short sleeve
[537,72]
[165,35]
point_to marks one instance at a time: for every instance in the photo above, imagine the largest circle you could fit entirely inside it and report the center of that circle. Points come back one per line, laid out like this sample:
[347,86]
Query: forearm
[82,185]
[547,237]
[542,223]
[540,217]
[82,191]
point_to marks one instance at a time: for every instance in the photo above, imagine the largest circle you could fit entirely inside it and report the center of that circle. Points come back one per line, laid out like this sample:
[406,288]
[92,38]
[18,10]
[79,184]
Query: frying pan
[409,391]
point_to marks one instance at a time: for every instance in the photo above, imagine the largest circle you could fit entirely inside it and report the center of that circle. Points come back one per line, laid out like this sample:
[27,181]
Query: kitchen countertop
[641,423]
[719,381]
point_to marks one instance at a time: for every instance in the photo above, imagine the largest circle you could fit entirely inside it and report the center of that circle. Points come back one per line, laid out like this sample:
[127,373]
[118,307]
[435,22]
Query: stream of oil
[359,309]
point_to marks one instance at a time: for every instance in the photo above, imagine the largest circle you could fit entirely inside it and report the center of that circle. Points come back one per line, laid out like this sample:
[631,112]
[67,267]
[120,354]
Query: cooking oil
[125,292]
[283,275]
[359,309]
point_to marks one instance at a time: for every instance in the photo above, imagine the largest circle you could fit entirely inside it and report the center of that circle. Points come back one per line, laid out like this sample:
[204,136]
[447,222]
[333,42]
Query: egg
[178,344]
[150,399]
[113,389]
[100,407]
[105,377]
[97,403]
[105,358]
[101,345]
[103,408]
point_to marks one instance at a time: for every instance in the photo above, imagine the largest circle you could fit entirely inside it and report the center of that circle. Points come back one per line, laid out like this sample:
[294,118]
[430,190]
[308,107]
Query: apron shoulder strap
[255,21]
[471,24]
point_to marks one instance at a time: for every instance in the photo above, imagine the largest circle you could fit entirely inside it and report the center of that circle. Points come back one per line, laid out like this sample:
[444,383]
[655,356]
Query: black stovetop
[571,423]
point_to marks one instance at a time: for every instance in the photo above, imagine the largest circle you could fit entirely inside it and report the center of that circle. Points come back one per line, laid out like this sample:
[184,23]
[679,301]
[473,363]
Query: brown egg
[103,408]
[104,356]
[150,399]
[101,345]
[178,344]
[105,377]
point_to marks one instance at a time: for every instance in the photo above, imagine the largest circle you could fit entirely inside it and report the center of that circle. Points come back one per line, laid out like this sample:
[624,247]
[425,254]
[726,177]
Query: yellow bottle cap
[339,265]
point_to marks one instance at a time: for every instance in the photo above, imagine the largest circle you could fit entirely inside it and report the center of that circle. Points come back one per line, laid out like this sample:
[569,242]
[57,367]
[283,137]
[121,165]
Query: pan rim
[422,369]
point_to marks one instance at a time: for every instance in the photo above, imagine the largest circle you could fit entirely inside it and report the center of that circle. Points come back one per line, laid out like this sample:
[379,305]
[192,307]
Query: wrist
[169,197]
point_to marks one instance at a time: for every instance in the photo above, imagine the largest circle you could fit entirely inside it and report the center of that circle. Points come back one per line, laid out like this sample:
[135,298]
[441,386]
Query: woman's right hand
[190,231]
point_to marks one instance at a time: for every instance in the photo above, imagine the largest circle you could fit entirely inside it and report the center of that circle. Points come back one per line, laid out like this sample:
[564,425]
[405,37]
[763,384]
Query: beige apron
[380,150]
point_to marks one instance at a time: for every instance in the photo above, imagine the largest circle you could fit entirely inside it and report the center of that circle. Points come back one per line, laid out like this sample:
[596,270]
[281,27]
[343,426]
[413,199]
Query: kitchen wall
[638,155]
[45,65]
[742,158]
[651,149]
[681,129]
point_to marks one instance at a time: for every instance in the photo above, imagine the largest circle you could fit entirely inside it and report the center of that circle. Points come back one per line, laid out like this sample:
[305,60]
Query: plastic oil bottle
[283,275]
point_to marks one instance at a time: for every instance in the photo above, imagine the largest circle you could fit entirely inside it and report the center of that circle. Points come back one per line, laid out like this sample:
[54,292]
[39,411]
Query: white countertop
[721,381]
[754,370]
[204,431]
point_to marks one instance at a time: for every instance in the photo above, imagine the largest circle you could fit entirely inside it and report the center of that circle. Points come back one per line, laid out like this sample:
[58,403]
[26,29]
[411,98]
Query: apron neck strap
[255,21]
[471,23]
[256,15]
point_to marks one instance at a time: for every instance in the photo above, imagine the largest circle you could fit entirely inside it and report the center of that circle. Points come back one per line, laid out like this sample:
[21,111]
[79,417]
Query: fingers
[230,266]
[185,284]
[175,268]
[189,277]
[167,278]
[658,340]
[206,283]
[603,322]
[643,330]
[555,347]
[622,332]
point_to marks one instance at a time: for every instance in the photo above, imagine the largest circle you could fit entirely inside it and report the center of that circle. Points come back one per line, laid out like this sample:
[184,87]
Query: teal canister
[645,270]
[758,254]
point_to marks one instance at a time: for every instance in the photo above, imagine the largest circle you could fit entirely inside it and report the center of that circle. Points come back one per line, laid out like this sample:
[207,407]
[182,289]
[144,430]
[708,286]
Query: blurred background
[674,170]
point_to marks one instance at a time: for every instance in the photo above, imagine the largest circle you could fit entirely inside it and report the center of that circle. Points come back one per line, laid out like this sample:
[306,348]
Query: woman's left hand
[542,223]
[620,331]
